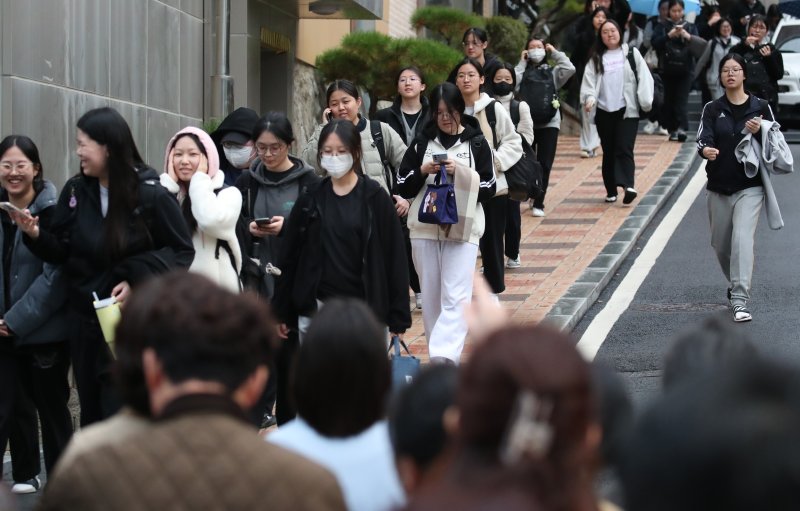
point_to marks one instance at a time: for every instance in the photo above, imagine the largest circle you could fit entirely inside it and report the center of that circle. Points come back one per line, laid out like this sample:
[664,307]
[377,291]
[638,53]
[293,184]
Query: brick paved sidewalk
[557,248]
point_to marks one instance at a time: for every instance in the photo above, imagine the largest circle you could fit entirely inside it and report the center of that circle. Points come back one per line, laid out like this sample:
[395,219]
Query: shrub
[446,22]
[507,37]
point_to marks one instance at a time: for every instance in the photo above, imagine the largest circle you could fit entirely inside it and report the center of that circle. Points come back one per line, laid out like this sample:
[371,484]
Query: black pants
[276,392]
[491,243]
[676,100]
[513,229]
[91,364]
[617,138]
[40,392]
[45,389]
[545,141]
[413,278]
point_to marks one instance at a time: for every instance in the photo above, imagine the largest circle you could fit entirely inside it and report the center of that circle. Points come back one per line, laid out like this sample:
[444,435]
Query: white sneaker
[418,300]
[513,263]
[662,131]
[537,212]
[29,486]
[587,153]
[650,127]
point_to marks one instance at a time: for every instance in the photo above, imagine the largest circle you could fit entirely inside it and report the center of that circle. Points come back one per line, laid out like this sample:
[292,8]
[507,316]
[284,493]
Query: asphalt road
[686,285]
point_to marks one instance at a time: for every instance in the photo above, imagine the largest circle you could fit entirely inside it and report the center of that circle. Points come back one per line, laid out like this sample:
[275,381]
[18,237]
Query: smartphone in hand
[439,158]
[7,206]
[263,222]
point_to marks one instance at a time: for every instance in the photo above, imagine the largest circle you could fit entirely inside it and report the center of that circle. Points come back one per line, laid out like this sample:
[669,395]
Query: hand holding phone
[439,157]
[10,208]
[263,222]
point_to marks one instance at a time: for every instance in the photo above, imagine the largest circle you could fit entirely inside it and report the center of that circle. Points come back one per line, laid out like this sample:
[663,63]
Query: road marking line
[595,335]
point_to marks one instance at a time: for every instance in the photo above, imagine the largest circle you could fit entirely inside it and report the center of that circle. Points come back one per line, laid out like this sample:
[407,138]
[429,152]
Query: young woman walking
[734,200]
[445,256]
[609,85]
[343,239]
[498,128]
[113,227]
[534,59]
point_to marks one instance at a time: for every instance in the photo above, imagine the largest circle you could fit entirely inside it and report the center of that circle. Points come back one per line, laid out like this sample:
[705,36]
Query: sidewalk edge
[570,308]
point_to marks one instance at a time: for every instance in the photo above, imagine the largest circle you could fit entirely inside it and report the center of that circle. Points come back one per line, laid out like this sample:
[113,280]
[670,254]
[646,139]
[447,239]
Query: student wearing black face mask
[540,59]
[503,84]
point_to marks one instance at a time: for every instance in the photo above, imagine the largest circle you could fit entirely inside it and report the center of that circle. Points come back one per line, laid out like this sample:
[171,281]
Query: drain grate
[678,307]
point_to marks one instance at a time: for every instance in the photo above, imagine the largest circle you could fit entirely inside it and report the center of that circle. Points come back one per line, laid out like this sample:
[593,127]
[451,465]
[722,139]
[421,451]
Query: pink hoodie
[208,145]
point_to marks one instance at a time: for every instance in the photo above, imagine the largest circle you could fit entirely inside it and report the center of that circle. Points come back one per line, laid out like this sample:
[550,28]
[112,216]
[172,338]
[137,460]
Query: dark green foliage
[447,23]
[373,61]
[507,37]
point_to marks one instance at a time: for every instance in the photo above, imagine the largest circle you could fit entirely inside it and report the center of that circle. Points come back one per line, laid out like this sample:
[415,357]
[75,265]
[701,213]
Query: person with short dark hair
[417,426]
[475,42]
[725,439]
[234,144]
[204,364]
[342,426]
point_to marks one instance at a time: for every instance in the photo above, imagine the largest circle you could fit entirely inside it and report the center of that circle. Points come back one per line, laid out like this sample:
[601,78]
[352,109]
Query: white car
[787,40]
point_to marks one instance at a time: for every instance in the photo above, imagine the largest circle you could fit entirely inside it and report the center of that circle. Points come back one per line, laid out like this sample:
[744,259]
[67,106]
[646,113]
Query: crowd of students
[343,221]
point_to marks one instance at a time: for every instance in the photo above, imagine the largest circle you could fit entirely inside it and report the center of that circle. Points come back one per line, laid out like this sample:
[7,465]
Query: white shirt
[363,464]
[611,96]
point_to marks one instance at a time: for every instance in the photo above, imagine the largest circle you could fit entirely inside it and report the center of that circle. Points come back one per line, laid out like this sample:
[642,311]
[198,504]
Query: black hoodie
[242,120]
[158,239]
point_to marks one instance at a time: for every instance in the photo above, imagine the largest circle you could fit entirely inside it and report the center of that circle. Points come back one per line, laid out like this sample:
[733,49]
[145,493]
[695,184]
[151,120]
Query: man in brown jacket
[205,363]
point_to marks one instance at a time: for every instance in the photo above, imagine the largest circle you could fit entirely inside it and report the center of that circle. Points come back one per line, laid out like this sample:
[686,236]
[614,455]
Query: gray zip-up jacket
[38,292]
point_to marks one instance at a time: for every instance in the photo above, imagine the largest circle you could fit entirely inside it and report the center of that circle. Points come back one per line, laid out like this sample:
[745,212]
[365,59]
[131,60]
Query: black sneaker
[268,421]
[741,314]
[630,194]
[673,137]
[681,136]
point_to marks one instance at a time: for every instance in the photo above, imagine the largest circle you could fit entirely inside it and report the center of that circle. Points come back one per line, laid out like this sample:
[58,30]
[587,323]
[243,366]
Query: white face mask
[337,166]
[536,55]
[239,157]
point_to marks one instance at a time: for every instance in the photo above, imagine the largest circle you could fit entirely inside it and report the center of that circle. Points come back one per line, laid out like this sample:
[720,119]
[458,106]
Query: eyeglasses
[8,166]
[731,71]
[408,79]
[444,115]
[471,76]
[467,44]
[269,149]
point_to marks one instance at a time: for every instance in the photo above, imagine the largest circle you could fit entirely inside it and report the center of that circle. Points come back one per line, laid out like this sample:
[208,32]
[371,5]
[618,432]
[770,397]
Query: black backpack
[658,86]
[525,177]
[538,89]
[677,57]
[377,137]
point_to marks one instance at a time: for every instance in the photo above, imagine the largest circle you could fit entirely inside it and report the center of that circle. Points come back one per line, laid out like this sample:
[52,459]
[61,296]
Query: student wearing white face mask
[234,145]
[343,239]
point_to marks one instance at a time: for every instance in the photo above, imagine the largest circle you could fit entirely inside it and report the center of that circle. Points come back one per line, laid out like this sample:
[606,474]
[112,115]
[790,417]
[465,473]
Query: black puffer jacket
[158,239]
[384,269]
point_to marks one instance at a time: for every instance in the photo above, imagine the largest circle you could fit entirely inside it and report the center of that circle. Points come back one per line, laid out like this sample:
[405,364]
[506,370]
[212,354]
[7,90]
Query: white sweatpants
[590,139]
[445,270]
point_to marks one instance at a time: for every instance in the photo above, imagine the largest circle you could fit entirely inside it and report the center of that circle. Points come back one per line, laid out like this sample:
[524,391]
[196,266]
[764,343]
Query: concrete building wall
[61,58]
[400,12]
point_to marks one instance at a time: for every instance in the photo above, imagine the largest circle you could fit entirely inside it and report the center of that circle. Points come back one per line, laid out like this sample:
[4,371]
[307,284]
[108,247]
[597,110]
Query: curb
[570,309]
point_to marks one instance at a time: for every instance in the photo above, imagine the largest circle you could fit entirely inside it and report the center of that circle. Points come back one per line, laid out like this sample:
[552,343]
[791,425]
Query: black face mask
[503,88]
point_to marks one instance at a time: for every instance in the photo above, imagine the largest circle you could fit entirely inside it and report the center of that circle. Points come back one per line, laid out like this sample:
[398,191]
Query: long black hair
[108,128]
[29,149]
